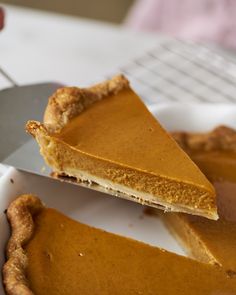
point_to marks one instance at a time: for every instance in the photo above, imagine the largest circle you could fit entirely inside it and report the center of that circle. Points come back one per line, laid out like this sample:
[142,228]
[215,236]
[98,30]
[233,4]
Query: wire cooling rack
[177,71]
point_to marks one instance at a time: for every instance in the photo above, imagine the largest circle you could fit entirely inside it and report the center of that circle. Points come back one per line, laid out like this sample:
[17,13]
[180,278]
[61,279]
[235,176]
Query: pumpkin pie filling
[49,253]
[207,241]
[106,135]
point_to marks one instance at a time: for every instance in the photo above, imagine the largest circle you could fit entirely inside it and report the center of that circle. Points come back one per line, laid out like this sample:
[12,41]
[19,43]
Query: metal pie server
[18,104]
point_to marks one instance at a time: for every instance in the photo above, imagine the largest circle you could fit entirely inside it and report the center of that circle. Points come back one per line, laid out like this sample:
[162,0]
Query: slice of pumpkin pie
[105,135]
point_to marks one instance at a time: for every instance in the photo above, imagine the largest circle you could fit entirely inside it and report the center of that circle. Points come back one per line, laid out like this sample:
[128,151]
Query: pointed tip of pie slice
[205,203]
[207,198]
[210,214]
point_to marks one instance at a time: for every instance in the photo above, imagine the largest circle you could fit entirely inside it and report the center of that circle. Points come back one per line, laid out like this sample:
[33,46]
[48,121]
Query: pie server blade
[19,104]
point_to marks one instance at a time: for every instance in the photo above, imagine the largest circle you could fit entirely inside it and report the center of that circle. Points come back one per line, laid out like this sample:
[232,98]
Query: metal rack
[177,71]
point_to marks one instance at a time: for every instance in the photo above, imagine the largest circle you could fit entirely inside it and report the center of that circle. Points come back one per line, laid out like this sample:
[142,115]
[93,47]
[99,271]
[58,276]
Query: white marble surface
[37,46]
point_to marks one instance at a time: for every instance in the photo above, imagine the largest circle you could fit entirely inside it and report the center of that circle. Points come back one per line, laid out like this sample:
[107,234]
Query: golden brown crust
[20,215]
[68,102]
[34,127]
[221,138]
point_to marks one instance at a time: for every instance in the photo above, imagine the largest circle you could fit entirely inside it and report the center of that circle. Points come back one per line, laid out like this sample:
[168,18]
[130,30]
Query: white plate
[103,211]
[194,117]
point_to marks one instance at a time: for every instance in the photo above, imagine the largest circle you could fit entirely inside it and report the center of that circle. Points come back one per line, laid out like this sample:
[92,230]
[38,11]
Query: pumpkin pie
[49,253]
[105,137]
[211,242]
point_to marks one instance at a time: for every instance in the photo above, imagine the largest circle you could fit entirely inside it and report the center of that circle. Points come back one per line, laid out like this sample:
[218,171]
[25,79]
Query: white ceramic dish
[110,213]
[194,117]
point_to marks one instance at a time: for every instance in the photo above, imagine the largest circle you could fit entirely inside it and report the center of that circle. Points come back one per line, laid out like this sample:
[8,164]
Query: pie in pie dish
[207,241]
[104,135]
[49,253]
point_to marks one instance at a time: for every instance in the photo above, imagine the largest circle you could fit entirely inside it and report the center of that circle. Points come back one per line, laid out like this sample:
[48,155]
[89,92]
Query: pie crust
[20,215]
[222,138]
[69,102]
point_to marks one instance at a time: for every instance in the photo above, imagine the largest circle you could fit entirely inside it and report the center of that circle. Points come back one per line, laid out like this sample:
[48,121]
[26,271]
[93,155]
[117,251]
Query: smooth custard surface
[120,129]
[67,257]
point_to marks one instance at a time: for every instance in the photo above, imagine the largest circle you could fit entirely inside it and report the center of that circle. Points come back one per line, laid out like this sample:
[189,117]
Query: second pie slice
[105,135]
[206,240]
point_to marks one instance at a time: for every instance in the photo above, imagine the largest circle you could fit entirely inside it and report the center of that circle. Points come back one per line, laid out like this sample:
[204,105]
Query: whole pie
[49,253]
[211,242]
[105,136]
